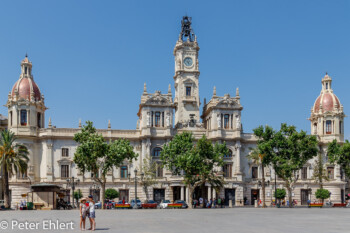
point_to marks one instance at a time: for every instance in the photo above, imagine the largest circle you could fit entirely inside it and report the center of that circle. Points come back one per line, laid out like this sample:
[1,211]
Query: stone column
[182,192]
[28,118]
[214,193]
[209,193]
[187,196]
[238,161]
[49,174]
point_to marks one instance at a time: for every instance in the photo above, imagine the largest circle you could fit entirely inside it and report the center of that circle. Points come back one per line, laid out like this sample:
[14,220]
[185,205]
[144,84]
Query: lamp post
[72,182]
[275,188]
[94,187]
[142,174]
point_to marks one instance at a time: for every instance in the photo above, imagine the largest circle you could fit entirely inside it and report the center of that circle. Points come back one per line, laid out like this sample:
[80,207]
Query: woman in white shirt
[92,214]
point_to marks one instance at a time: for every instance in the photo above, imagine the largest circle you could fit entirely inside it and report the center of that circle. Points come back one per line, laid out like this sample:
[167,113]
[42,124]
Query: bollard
[230,203]
[256,203]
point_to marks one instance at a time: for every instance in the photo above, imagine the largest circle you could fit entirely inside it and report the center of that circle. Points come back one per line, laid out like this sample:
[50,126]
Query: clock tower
[186,77]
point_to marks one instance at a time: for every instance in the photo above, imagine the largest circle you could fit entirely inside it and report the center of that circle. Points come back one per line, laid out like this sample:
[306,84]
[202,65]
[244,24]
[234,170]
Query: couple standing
[87,209]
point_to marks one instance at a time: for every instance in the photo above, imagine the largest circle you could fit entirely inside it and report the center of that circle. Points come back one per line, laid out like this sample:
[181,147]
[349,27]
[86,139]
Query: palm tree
[257,159]
[13,159]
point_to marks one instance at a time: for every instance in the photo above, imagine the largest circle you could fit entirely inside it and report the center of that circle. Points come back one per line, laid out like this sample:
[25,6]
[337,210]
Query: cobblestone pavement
[199,220]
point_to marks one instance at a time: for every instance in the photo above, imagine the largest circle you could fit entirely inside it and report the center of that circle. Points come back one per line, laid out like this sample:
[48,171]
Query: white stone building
[161,116]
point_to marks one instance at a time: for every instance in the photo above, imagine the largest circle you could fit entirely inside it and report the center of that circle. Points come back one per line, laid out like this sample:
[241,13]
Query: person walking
[92,214]
[201,202]
[82,209]
[219,202]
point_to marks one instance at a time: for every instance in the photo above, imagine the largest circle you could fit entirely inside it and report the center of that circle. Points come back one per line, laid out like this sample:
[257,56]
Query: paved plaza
[198,220]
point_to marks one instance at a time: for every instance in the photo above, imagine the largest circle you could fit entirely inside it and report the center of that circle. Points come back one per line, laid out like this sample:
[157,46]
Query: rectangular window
[157,119]
[188,91]
[254,172]
[64,171]
[152,119]
[65,152]
[124,172]
[162,119]
[11,118]
[340,127]
[159,173]
[39,120]
[328,127]
[226,121]
[227,169]
[304,173]
[330,172]
[25,70]
[23,117]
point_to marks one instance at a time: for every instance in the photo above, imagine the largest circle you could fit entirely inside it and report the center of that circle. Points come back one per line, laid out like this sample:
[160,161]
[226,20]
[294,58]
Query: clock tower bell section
[186,77]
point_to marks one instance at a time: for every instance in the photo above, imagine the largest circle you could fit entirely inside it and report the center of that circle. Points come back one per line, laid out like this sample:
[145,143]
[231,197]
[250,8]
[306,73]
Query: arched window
[156,151]
[229,155]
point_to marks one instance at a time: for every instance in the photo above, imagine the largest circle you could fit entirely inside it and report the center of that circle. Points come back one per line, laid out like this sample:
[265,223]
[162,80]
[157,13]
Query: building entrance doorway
[254,196]
[124,195]
[176,193]
[200,192]
[230,194]
[158,195]
[304,196]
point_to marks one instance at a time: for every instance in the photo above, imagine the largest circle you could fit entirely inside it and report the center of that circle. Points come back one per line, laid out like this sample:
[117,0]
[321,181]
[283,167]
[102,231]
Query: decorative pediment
[157,99]
[64,161]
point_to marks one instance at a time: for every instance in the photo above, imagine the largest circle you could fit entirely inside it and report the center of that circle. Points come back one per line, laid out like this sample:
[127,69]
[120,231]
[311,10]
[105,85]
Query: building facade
[160,117]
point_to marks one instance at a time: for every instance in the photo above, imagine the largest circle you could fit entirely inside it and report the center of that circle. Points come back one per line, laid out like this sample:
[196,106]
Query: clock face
[188,61]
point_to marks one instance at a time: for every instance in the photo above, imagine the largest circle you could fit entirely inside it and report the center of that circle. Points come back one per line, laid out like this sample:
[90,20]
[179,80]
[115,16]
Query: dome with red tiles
[25,87]
[327,101]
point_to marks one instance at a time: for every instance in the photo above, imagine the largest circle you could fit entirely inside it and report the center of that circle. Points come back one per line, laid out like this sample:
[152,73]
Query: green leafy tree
[149,169]
[111,194]
[287,150]
[320,172]
[77,195]
[280,194]
[13,159]
[196,161]
[95,155]
[340,154]
[322,194]
[257,158]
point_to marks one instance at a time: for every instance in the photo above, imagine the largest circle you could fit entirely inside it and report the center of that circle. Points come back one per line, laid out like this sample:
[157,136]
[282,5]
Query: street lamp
[72,182]
[266,183]
[94,187]
[142,175]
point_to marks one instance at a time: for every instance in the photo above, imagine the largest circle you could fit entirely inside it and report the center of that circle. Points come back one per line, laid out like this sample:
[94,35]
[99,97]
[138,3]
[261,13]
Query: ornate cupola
[327,116]
[186,76]
[26,106]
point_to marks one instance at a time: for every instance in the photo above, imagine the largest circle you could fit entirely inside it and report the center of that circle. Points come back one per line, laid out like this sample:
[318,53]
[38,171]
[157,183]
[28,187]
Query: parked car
[98,205]
[164,204]
[139,204]
[121,205]
[121,202]
[184,204]
[150,204]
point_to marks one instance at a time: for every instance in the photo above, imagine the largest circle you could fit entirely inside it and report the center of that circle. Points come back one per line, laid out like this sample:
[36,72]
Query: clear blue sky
[91,58]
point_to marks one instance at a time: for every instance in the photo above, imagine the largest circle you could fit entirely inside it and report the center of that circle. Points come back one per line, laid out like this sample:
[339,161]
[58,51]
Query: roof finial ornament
[144,88]
[237,91]
[26,54]
[109,124]
[50,123]
[214,91]
[169,89]
[79,123]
